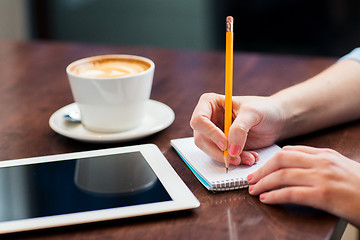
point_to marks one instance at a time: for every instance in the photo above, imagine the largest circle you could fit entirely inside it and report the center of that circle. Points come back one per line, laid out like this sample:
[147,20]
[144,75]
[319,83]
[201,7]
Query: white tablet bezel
[182,197]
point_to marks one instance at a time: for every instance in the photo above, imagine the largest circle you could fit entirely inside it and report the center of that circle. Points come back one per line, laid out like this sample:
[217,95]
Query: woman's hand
[319,178]
[257,123]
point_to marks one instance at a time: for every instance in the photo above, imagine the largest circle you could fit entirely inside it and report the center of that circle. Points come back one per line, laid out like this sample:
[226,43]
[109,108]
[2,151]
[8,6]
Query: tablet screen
[77,185]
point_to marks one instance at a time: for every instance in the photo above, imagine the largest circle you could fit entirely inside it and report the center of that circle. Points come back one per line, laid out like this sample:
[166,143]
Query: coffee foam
[110,68]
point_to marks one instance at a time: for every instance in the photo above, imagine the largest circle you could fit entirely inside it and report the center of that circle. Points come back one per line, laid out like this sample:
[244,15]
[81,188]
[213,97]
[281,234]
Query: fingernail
[221,145]
[256,156]
[249,177]
[234,150]
[251,187]
[262,197]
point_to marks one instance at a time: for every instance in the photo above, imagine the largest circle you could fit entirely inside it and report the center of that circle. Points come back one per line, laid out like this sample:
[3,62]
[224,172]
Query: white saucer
[158,117]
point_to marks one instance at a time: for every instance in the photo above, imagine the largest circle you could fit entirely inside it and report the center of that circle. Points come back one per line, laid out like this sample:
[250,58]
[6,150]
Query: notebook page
[213,171]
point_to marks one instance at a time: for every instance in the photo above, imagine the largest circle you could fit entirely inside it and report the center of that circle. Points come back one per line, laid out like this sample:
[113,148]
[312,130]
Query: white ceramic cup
[111,103]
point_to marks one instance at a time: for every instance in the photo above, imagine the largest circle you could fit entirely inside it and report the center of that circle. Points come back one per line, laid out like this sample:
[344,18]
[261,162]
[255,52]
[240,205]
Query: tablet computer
[83,187]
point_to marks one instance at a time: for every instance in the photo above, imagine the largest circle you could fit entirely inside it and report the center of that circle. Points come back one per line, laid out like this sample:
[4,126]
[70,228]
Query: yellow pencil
[228,82]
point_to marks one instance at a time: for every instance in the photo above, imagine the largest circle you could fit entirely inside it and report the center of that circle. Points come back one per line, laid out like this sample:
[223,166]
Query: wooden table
[33,85]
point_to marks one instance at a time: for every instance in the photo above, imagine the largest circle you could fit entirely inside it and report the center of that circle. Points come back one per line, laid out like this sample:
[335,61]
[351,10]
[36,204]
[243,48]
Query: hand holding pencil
[225,144]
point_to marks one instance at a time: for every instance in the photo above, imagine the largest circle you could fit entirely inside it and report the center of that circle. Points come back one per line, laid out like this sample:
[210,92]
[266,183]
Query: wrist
[290,114]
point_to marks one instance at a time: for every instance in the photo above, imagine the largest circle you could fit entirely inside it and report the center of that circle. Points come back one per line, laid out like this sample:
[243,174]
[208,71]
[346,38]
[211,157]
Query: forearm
[329,98]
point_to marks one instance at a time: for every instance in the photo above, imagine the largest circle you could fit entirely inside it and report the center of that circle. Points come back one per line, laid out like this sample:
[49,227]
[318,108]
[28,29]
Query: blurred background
[307,27]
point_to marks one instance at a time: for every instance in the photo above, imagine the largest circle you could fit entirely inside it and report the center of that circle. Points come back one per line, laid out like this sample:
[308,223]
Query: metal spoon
[73,116]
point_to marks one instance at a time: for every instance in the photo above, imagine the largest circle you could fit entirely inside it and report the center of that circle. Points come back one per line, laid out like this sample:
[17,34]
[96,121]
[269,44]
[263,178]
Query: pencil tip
[227,170]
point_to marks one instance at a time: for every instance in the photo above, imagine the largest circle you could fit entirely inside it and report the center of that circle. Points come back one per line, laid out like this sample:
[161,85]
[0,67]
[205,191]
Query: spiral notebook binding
[231,184]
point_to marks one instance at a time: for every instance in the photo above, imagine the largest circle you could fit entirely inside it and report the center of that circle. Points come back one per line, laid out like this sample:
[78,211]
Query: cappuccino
[111,91]
[107,67]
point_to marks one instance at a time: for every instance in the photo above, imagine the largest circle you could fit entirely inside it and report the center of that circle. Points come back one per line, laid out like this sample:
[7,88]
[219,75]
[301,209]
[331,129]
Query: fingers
[294,175]
[207,116]
[249,157]
[283,178]
[246,157]
[201,120]
[238,132]
[287,158]
[304,149]
[296,195]
[286,178]
[208,146]
[237,139]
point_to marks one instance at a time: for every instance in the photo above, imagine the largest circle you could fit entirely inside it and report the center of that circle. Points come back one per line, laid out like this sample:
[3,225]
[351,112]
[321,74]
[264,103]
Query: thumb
[239,129]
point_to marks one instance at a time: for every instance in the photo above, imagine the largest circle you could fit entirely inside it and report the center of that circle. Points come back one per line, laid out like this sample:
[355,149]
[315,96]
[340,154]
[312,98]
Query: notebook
[211,173]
